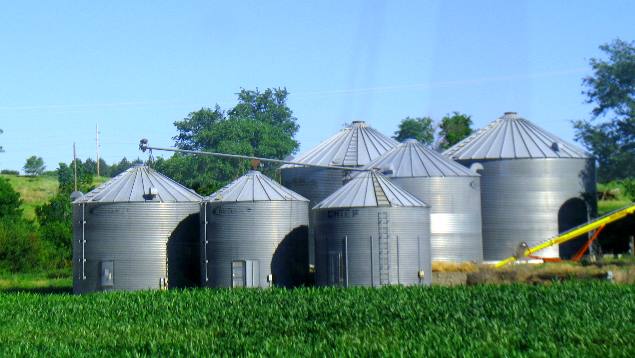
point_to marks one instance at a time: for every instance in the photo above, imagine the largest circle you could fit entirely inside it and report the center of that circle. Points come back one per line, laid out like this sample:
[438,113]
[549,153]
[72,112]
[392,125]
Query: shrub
[10,172]
[20,249]
[629,187]
[9,200]
[55,218]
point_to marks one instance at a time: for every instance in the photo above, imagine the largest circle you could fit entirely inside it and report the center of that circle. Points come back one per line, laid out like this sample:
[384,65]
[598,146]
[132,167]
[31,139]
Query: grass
[571,319]
[59,281]
[36,191]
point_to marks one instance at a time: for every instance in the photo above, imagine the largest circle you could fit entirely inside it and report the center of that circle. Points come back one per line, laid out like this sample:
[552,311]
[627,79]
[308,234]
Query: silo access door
[245,273]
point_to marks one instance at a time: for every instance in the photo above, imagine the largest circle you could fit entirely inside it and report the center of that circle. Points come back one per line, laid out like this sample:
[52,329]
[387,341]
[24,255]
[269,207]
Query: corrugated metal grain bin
[452,191]
[137,231]
[533,185]
[372,233]
[353,146]
[255,235]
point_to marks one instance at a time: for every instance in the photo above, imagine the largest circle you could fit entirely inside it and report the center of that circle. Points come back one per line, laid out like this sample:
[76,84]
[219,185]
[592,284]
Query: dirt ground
[616,270]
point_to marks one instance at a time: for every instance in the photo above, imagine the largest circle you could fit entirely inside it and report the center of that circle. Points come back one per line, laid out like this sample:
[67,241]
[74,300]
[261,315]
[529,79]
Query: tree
[34,166]
[268,107]
[66,179]
[419,128]
[1,150]
[10,201]
[260,125]
[454,128]
[611,88]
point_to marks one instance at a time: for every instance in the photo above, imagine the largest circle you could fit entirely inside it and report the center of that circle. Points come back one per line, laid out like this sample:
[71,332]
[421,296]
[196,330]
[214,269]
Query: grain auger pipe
[143,146]
[571,234]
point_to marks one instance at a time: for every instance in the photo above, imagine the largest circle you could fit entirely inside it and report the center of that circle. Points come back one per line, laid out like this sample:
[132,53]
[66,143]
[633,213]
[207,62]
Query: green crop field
[562,319]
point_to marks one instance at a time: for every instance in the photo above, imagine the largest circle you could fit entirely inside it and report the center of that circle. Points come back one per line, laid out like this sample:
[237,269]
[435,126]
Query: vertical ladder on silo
[384,249]
[351,152]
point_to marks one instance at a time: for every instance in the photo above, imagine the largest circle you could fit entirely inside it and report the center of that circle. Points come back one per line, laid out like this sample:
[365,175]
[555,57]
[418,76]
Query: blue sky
[136,67]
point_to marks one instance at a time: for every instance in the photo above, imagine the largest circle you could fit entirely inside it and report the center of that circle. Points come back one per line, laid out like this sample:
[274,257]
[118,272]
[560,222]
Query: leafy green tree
[10,201]
[268,107]
[34,166]
[1,150]
[65,177]
[419,128]
[454,128]
[260,125]
[611,88]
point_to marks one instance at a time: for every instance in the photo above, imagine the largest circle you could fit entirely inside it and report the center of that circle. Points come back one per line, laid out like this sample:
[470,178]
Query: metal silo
[353,146]
[452,191]
[137,231]
[372,233]
[255,235]
[533,185]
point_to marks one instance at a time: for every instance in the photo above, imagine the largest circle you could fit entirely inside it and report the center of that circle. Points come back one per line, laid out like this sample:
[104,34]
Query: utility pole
[75,165]
[97,145]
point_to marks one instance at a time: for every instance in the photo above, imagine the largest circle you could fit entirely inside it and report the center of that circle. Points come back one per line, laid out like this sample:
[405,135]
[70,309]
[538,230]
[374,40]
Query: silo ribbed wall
[455,215]
[275,233]
[314,184]
[521,200]
[135,237]
[369,237]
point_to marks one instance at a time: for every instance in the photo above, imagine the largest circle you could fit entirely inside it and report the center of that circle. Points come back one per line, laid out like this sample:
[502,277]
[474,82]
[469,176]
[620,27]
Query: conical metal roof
[412,159]
[254,186]
[369,189]
[512,136]
[354,146]
[140,184]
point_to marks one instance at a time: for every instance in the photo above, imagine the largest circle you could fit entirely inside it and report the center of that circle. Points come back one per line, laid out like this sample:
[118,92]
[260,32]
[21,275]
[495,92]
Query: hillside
[36,191]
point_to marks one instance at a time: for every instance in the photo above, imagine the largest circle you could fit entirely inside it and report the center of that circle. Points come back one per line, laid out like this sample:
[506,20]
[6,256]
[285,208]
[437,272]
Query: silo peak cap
[370,189]
[254,186]
[513,137]
[353,146]
[415,160]
[140,183]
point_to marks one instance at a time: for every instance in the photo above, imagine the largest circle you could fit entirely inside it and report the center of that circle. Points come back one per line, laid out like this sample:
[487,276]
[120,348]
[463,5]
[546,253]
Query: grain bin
[452,191]
[533,185]
[353,146]
[372,233]
[255,235]
[137,231]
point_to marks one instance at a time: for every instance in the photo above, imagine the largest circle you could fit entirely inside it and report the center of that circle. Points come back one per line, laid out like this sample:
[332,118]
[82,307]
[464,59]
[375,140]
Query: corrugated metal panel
[455,215]
[135,184]
[412,159]
[254,186]
[146,242]
[316,184]
[522,200]
[270,234]
[372,246]
[355,145]
[511,136]
[368,189]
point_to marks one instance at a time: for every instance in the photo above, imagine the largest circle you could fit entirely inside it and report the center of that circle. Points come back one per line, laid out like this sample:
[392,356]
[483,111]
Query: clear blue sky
[135,67]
